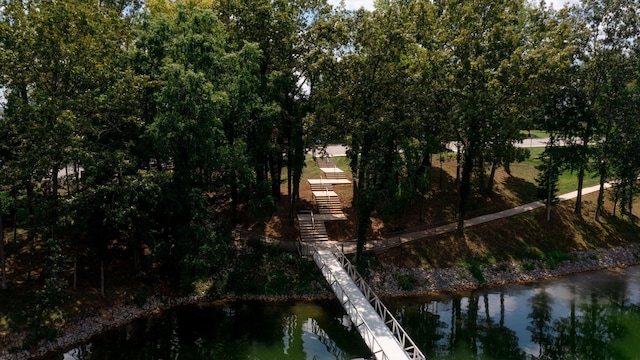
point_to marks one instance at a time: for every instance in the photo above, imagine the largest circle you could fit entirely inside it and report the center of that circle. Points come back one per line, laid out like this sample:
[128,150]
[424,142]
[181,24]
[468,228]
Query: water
[248,330]
[585,316]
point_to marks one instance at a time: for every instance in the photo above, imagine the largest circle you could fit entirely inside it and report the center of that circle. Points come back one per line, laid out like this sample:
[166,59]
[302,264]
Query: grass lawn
[536,134]
[568,180]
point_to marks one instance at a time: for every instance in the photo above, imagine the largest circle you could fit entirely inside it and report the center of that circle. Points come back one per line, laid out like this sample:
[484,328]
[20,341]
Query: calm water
[586,316]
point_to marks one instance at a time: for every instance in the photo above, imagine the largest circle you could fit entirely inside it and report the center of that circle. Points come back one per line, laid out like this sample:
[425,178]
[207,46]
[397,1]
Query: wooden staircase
[328,205]
[311,230]
[322,187]
[334,173]
[325,162]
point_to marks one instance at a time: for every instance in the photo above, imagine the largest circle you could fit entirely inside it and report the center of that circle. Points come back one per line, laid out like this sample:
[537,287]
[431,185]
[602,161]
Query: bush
[476,271]
[552,259]
[140,297]
[406,282]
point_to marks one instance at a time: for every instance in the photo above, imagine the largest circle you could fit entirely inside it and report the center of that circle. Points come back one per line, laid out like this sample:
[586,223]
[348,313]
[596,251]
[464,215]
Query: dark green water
[586,316]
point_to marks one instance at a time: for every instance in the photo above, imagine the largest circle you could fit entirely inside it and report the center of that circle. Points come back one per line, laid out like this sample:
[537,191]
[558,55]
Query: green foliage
[406,282]
[549,174]
[554,258]
[476,270]
[140,296]
[273,271]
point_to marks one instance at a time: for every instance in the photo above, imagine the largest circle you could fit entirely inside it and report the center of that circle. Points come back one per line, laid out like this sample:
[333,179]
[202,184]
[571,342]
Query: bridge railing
[356,317]
[398,332]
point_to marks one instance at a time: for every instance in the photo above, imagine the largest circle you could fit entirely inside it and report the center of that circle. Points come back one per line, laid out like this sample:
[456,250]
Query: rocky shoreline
[387,282]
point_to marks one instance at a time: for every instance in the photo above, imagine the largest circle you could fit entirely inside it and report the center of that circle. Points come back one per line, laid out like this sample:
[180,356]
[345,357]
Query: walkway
[380,331]
[379,245]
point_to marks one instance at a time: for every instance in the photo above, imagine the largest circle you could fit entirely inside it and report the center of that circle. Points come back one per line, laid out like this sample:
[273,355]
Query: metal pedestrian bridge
[382,333]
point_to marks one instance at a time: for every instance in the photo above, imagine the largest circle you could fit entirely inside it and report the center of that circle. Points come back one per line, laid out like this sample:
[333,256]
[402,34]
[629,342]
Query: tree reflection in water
[586,316]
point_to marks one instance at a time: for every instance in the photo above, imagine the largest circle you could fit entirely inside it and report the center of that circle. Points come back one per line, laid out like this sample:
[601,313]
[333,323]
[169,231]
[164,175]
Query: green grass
[312,171]
[536,134]
[568,180]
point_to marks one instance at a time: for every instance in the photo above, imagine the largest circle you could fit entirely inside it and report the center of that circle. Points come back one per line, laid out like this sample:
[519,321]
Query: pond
[584,316]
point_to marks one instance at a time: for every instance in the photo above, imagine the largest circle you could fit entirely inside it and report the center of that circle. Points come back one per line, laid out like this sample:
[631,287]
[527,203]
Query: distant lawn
[312,171]
[536,134]
[568,180]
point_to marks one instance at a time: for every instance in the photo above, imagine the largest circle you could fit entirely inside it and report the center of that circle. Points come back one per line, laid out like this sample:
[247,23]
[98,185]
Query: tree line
[145,130]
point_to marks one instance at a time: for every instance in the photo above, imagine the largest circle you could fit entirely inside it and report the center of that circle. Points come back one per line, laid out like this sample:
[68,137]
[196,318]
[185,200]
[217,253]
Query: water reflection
[585,316]
[233,331]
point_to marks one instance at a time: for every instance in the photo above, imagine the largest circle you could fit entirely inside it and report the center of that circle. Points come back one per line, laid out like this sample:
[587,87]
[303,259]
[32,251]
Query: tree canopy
[149,129]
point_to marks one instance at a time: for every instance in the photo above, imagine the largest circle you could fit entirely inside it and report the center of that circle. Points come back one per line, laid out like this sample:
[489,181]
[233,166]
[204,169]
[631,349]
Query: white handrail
[385,315]
[398,332]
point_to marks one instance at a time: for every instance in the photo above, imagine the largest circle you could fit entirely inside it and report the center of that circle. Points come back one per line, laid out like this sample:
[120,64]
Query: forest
[144,131]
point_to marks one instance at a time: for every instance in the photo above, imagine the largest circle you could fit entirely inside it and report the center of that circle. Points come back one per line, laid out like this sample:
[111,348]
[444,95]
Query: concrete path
[341,150]
[378,245]
[526,143]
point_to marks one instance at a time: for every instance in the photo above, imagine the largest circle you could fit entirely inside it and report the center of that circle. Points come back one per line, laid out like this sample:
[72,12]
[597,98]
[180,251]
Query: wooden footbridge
[382,333]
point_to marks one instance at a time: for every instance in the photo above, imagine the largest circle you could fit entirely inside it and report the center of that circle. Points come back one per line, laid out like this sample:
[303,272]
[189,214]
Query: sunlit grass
[568,180]
[536,134]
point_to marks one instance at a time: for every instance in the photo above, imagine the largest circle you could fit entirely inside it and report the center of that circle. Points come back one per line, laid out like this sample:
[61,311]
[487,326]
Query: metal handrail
[366,333]
[398,332]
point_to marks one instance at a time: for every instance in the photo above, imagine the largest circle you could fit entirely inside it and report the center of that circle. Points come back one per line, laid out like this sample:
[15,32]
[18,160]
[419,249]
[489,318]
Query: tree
[367,92]
[484,45]
[606,71]
[274,127]
[549,175]
[3,267]
[60,64]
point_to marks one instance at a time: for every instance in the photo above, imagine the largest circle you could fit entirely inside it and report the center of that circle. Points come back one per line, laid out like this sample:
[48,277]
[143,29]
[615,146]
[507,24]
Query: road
[341,150]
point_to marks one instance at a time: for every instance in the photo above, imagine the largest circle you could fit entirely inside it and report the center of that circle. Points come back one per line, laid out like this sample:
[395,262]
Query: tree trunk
[549,195]
[32,252]
[465,189]
[600,195]
[631,202]
[15,221]
[615,199]
[54,209]
[75,266]
[275,167]
[481,176]
[102,293]
[492,176]
[578,209]
[76,174]
[66,178]
[585,149]
[3,269]
[354,163]
[458,160]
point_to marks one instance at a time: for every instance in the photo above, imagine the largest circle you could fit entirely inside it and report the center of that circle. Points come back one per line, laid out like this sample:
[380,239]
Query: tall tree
[367,92]
[606,70]
[60,60]
[485,45]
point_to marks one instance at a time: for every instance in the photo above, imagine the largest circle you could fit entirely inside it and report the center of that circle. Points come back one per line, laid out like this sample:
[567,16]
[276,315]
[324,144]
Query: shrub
[406,282]
[476,271]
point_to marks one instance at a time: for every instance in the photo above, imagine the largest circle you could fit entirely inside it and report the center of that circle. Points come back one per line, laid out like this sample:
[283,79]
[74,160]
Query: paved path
[526,143]
[341,150]
[378,245]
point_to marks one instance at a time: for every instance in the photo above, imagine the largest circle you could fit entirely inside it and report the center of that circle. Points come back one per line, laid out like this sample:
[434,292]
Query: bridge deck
[372,328]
